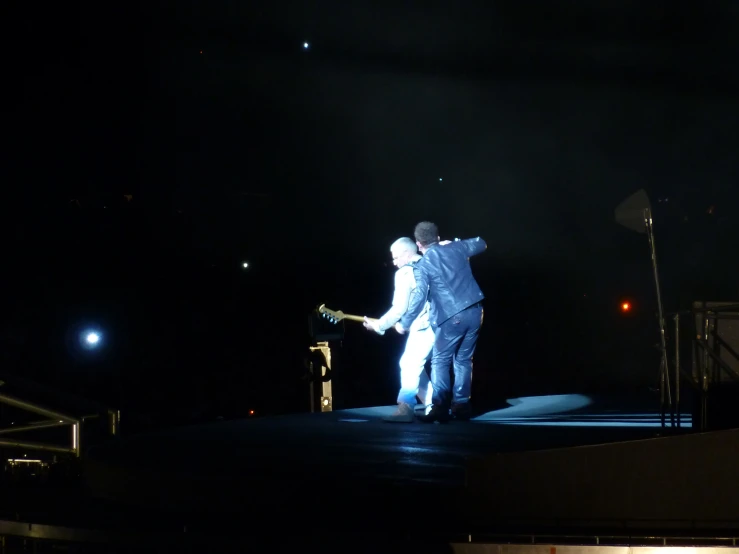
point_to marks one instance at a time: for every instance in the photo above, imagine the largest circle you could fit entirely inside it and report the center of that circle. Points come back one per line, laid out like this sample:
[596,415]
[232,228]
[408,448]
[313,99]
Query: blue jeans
[455,343]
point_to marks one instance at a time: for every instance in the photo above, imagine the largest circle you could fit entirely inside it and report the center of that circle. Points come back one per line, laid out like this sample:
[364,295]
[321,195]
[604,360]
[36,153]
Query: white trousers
[413,377]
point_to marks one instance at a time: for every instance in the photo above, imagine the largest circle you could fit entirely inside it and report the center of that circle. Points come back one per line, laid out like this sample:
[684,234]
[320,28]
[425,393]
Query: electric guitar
[335,317]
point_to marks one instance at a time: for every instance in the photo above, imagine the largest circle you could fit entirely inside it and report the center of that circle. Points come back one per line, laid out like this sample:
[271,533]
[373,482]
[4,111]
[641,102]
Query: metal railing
[53,419]
[711,353]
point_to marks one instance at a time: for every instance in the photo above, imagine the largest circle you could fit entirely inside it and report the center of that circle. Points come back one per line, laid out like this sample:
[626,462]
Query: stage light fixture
[635,213]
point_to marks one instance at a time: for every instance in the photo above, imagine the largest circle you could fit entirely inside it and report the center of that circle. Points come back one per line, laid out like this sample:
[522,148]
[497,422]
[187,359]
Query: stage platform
[348,465]
[355,446]
[560,469]
[564,461]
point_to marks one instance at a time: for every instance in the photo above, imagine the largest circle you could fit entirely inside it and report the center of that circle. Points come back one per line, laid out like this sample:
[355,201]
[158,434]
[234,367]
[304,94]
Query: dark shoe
[462,412]
[437,413]
[421,409]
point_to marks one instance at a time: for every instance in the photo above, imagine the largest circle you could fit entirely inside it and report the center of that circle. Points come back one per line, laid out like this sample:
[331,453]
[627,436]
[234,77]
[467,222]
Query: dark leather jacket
[444,276]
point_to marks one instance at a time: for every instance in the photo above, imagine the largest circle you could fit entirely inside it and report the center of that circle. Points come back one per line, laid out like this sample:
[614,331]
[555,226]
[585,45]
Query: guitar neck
[355,318]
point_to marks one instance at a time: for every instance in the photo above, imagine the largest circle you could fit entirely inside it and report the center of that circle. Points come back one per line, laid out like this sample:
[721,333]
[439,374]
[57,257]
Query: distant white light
[440,179]
[306,46]
[245,265]
[89,339]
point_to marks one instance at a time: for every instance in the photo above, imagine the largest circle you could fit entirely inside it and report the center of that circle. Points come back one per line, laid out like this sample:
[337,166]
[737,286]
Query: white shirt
[405,284]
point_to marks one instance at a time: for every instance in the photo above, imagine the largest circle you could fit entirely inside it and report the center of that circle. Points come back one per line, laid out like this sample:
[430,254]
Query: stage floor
[344,470]
[346,458]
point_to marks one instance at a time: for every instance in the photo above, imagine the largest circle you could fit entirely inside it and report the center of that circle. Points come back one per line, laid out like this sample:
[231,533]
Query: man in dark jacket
[444,276]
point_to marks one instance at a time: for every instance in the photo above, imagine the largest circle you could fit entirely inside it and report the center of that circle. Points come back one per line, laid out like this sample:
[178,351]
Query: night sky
[154,148]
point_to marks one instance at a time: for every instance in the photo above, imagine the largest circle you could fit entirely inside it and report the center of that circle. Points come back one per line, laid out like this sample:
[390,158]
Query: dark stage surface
[347,465]
[346,473]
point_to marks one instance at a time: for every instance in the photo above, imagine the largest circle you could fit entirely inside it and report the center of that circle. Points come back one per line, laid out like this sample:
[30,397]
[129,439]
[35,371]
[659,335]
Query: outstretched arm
[474,246]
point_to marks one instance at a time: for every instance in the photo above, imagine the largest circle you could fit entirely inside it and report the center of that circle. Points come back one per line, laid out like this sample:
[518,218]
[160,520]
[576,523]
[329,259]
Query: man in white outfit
[414,382]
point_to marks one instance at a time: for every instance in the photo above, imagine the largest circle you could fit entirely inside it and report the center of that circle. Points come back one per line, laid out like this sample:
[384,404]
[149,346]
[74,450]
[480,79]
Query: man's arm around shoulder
[401,297]
[418,299]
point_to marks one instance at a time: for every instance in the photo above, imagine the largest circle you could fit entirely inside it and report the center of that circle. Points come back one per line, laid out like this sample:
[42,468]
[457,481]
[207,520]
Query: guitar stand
[321,375]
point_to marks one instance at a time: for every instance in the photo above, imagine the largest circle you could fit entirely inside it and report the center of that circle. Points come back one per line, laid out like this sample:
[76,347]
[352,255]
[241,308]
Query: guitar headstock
[331,315]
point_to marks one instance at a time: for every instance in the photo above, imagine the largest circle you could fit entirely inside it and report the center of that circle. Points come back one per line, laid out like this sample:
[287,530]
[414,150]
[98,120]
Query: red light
[625,307]
[251,412]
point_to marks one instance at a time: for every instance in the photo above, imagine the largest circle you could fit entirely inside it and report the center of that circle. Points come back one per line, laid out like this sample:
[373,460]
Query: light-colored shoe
[404,414]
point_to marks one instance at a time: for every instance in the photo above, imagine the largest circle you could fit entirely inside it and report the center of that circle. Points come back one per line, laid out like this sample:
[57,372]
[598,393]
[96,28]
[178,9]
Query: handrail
[55,419]
[35,408]
[725,308]
[710,350]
